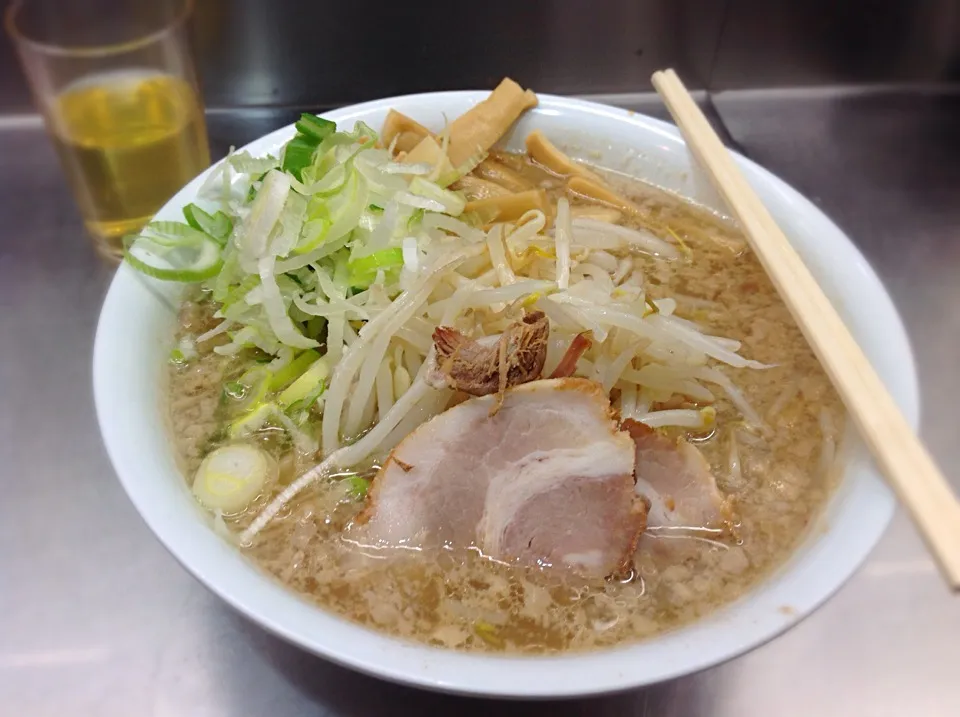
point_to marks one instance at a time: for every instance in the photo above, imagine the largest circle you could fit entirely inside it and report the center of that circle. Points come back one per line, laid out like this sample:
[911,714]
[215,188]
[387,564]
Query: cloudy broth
[776,479]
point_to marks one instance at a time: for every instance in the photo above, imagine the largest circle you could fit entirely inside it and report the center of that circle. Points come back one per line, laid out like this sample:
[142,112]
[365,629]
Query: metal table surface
[97,619]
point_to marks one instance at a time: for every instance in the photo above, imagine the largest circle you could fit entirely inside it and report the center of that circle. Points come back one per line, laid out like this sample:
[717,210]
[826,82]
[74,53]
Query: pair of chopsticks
[904,461]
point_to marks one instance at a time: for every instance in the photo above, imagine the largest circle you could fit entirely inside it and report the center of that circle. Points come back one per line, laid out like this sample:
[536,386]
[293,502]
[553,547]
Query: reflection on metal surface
[325,54]
[329,54]
[900,569]
[24,121]
[809,42]
[53,658]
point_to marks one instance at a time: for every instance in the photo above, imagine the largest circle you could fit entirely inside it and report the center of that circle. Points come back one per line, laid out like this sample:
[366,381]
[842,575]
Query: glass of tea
[116,84]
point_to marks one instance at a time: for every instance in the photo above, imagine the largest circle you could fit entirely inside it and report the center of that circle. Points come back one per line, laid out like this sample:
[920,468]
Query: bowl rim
[273,607]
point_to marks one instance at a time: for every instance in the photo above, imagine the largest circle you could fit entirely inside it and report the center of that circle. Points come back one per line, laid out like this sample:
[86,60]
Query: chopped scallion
[298,155]
[216,225]
[316,128]
[308,386]
[232,476]
[357,487]
[364,270]
[234,390]
[293,370]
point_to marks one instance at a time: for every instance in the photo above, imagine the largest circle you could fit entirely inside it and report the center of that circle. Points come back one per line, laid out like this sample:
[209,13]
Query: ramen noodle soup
[484,400]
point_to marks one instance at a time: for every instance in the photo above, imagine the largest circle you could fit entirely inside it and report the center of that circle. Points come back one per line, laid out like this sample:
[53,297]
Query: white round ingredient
[231,476]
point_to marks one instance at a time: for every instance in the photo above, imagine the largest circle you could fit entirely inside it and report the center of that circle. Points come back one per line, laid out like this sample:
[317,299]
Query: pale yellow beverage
[128,141]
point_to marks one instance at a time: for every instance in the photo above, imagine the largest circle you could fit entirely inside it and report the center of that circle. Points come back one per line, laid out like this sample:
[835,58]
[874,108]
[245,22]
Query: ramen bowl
[132,348]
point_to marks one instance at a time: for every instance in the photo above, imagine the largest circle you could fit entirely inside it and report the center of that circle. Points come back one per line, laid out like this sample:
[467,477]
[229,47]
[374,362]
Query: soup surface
[773,468]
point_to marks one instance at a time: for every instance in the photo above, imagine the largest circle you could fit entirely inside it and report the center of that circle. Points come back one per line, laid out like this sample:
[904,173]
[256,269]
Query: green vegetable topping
[293,370]
[363,271]
[311,131]
[298,155]
[316,128]
[217,225]
[232,476]
[309,386]
[173,252]
[357,487]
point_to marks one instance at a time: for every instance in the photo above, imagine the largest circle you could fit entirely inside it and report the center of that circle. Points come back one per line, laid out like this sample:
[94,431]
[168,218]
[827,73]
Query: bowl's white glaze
[133,341]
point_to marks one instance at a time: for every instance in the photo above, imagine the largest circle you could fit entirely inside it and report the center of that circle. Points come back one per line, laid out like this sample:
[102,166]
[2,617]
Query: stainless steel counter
[97,619]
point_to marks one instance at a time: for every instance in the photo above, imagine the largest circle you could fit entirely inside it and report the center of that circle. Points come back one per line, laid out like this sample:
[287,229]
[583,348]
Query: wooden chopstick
[904,461]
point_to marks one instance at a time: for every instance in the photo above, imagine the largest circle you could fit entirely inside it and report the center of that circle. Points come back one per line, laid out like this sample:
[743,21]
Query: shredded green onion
[357,487]
[415,218]
[316,128]
[316,326]
[308,386]
[254,385]
[293,370]
[363,271]
[298,155]
[234,390]
[217,225]
[488,633]
[252,421]
[192,258]
[453,203]
[299,152]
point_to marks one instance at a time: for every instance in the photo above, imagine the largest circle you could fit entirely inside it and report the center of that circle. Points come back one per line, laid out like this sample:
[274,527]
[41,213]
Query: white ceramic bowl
[133,341]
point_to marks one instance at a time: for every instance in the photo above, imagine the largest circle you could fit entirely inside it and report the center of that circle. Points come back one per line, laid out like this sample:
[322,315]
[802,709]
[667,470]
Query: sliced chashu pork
[548,480]
[676,479]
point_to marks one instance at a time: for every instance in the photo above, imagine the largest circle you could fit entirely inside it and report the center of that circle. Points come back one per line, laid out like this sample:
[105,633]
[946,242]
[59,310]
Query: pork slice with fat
[676,479]
[547,480]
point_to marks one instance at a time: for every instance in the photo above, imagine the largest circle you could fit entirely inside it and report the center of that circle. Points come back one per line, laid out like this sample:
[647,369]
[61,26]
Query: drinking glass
[115,82]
